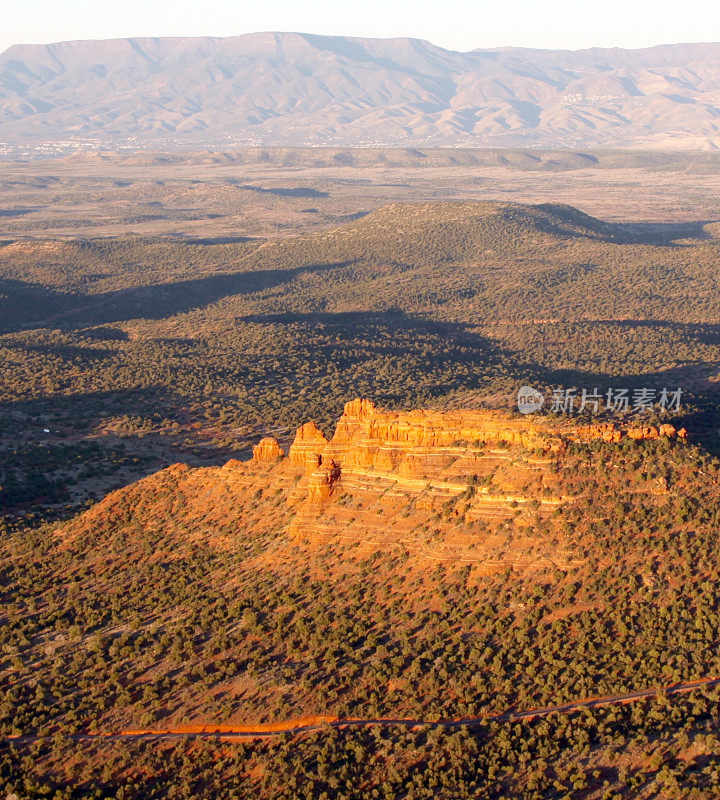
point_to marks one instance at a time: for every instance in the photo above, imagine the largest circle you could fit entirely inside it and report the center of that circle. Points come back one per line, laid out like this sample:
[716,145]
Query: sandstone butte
[468,486]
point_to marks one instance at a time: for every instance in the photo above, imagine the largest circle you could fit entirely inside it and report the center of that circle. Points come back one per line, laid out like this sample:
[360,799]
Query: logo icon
[530,400]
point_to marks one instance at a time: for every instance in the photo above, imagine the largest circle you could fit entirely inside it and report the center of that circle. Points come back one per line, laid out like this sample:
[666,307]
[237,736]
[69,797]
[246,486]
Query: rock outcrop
[371,438]
[465,486]
[489,466]
[267,449]
[308,446]
[612,432]
[322,480]
[655,432]
[422,461]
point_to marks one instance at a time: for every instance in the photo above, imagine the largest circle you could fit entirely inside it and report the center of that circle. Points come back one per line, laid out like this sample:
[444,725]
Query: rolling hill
[156,350]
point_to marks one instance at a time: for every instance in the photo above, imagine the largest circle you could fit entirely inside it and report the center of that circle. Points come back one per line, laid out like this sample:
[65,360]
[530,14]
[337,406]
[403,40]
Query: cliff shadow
[666,233]
[30,305]
[57,452]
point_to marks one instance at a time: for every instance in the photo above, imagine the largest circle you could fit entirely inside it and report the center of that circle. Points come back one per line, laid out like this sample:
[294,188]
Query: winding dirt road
[319,723]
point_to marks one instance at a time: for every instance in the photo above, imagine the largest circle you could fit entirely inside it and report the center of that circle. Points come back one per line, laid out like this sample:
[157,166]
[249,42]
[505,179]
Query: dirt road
[319,723]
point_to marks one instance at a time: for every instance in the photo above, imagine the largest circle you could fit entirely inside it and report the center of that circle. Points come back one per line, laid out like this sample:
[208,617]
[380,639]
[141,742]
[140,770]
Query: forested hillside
[441,560]
[184,599]
[160,351]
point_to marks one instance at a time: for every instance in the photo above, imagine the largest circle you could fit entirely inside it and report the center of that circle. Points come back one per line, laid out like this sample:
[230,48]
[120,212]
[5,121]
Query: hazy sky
[455,24]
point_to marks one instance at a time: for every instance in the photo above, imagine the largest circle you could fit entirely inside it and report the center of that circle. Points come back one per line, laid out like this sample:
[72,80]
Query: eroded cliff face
[369,438]
[419,443]
[308,446]
[433,454]
[267,449]
[465,486]
[462,484]
[611,432]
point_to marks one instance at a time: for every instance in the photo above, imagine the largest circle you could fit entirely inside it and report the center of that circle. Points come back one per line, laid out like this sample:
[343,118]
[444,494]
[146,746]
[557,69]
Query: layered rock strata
[466,486]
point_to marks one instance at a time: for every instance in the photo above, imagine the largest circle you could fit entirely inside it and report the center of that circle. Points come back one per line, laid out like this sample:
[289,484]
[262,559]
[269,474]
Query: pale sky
[454,24]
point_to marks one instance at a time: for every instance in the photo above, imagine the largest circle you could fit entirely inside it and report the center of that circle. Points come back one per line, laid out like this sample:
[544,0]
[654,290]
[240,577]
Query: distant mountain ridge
[285,89]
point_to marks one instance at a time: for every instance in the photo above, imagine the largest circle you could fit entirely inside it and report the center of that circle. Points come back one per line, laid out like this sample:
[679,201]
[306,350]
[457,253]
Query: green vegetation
[126,625]
[651,749]
[135,353]
[411,305]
